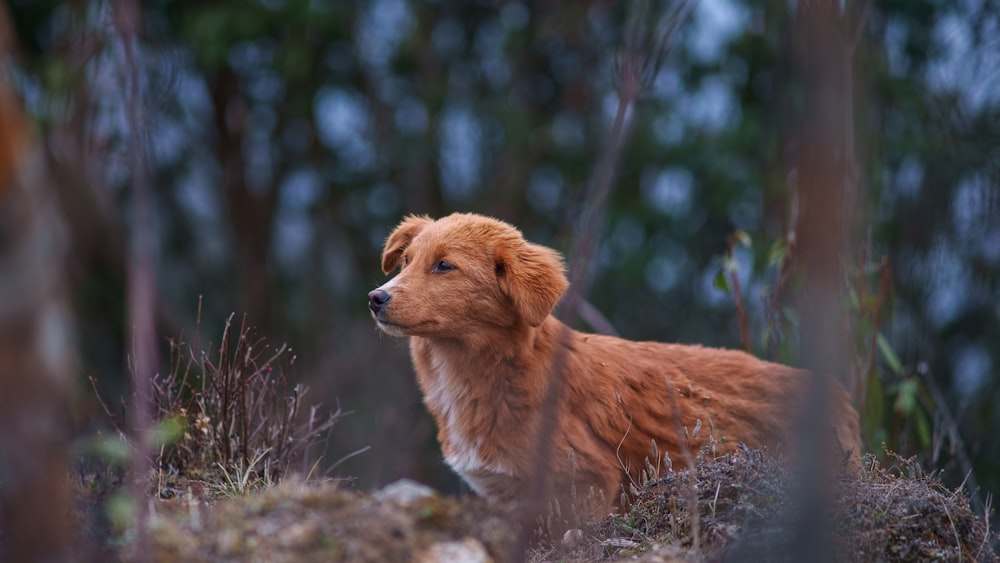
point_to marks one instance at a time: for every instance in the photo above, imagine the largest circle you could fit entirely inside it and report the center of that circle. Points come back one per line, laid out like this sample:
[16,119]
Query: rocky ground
[744,509]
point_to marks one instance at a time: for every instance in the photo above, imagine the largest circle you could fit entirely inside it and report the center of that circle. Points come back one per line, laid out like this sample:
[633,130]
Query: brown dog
[475,299]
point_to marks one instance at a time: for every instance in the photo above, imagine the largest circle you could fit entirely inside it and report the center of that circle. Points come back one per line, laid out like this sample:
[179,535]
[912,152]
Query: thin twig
[883,290]
[987,511]
[741,310]
[741,313]
[958,539]
[100,400]
[715,501]
[349,456]
[944,411]
[774,311]
[621,463]
[692,474]
[127,16]
[593,317]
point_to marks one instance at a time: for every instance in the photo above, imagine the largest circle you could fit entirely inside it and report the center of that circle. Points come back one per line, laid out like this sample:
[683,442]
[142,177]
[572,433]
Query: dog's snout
[377,300]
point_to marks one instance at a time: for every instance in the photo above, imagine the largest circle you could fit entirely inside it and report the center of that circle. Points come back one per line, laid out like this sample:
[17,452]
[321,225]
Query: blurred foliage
[289,136]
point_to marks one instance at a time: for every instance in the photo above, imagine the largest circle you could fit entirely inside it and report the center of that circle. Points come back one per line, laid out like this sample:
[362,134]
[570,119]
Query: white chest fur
[449,394]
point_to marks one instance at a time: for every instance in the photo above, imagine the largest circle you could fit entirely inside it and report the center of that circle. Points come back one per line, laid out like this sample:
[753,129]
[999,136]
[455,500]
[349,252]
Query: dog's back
[686,397]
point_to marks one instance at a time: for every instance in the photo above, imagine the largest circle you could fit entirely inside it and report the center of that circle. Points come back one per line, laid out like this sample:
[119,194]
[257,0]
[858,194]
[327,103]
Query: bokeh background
[287,137]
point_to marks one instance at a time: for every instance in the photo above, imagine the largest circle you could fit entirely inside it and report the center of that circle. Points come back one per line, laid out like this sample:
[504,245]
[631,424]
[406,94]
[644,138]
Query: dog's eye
[406,260]
[442,267]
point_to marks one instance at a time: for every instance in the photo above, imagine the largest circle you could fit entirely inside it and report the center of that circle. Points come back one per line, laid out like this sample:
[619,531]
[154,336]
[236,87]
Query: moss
[296,521]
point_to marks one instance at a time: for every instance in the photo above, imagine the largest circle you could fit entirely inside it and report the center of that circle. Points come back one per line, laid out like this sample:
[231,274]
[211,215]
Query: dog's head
[464,272]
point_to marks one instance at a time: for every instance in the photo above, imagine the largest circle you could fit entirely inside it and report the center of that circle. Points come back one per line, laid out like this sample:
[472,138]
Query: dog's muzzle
[377,300]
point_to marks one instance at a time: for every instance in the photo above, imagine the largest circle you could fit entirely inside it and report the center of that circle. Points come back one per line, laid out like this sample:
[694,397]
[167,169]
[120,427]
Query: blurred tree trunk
[825,174]
[36,350]
[823,179]
[824,186]
[251,214]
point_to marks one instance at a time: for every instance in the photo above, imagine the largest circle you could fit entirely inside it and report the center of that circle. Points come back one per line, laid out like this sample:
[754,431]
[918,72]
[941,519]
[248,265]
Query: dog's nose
[377,300]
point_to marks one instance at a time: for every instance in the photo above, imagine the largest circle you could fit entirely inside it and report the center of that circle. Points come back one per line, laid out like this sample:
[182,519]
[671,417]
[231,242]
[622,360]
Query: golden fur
[475,299]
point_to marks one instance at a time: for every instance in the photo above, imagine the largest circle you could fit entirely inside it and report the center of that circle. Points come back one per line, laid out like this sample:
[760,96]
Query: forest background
[287,137]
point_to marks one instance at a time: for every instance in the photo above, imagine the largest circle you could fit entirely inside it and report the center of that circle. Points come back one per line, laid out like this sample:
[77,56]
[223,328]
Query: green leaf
[890,355]
[852,297]
[906,397]
[788,351]
[168,431]
[776,255]
[120,510]
[721,282]
[112,449]
[923,430]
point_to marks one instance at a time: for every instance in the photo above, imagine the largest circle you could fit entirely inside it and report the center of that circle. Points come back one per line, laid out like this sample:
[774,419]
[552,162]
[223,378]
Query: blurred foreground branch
[36,349]
[142,258]
[643,54]
[824,182]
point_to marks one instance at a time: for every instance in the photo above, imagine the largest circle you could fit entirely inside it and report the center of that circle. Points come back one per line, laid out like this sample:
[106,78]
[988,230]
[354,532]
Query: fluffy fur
[475,299]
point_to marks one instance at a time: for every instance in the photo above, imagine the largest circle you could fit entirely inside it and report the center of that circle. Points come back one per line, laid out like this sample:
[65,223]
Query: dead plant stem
[127,17]
[692,472]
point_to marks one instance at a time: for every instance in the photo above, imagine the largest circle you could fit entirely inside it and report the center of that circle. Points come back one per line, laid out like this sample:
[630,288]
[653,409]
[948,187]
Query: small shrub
[232,417]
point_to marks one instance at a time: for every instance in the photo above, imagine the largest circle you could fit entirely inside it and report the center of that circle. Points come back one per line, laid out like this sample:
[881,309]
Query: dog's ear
[392,254]
[534,278]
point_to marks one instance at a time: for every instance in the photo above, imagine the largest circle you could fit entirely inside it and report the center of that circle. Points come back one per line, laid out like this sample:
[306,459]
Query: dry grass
[742,503]
[893,513]
[225,423]
[231,417]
